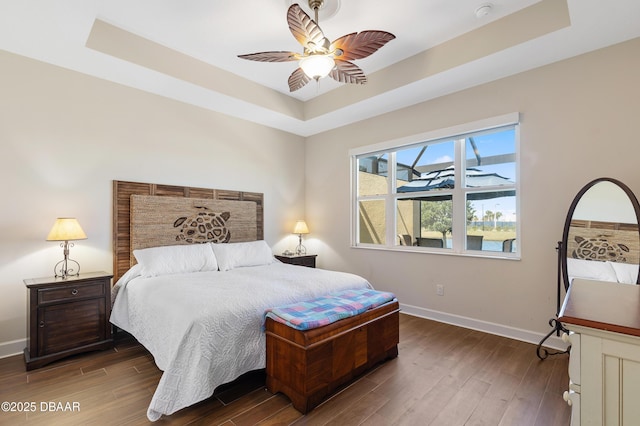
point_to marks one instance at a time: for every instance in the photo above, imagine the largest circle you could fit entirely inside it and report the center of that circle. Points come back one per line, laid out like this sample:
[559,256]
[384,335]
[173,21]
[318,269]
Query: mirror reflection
[602,239]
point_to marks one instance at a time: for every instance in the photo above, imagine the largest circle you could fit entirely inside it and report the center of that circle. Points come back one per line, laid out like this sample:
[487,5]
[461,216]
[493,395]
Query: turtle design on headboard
[203,227]
[599,249]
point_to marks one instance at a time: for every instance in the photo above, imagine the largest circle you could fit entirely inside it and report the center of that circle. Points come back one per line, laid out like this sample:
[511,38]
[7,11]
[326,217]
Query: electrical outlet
[440,290]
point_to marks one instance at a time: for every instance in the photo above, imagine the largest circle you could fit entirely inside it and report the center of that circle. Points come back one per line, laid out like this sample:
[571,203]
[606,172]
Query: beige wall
[578,122]
[65,137]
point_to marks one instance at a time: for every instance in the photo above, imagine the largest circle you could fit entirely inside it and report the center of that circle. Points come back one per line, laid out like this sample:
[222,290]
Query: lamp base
[62,270]
[300,250]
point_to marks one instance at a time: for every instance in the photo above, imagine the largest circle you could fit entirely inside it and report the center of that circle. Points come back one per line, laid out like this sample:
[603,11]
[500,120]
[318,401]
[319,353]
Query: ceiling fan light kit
[317,66]
[321,57]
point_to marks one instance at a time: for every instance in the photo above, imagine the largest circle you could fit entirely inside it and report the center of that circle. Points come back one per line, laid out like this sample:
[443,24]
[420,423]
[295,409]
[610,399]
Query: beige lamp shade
[66,229]
[301,227]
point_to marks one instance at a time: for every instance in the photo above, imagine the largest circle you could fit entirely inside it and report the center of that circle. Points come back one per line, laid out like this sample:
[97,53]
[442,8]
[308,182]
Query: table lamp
[300,228]
[66,229]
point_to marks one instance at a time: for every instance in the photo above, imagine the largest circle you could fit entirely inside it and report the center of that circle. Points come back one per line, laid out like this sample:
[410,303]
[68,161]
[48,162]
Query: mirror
[601,239]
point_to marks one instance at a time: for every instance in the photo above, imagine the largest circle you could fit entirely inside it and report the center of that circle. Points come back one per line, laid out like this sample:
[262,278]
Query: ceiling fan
[321,57]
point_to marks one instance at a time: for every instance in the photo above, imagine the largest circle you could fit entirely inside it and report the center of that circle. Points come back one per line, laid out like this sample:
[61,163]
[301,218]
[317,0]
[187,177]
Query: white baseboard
[552,342]
[15,347]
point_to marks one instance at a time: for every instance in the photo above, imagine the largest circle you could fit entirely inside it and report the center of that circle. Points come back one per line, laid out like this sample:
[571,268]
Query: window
[438,193]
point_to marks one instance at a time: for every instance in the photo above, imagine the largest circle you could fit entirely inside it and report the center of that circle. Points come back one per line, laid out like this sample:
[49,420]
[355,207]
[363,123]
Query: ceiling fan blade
[297,80]
[360,45]
[271,56]
[306,30]
[348,72]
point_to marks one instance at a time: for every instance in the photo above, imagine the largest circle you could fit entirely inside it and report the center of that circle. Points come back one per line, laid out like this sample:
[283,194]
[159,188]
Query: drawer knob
[565,338]
[74,291]
[41,324]
[565,396]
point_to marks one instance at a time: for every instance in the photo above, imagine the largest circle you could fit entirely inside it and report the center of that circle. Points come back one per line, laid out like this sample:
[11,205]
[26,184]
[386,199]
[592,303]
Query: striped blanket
[327,309]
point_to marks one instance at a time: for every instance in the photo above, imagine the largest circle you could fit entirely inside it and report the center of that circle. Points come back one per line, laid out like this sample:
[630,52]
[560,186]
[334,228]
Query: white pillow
[235,255]
[591,269]
[626,272]
[176,259]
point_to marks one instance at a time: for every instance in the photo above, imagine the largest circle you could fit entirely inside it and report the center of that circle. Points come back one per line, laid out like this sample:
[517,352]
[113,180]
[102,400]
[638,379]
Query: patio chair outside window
[507,245]
[474,242]
[405,239]
[430,242]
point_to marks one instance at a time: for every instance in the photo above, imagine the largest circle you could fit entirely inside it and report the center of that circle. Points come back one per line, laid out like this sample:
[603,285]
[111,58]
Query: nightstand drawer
[308,260]
[70,292]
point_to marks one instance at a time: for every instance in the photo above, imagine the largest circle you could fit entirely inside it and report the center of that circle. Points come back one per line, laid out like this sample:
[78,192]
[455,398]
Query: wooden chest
[309,365]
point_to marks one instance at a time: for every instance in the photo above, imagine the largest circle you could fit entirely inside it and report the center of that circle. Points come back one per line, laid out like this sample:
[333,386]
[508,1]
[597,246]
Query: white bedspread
[204,329]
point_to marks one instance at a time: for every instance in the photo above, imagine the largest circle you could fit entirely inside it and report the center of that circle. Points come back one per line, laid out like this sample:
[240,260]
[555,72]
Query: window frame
[458,193]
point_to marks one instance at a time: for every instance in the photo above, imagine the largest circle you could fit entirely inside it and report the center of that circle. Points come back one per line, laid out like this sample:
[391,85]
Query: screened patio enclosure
[420,193]
[434,211]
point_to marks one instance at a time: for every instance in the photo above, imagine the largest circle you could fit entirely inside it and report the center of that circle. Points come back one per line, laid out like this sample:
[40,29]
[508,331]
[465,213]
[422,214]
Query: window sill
[440,252]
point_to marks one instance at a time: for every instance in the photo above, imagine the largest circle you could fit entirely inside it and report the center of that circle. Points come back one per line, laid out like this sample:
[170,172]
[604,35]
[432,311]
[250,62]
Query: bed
[187,302]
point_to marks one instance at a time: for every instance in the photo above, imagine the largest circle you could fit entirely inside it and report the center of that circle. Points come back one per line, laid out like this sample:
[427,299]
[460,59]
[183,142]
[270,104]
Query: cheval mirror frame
[562,249]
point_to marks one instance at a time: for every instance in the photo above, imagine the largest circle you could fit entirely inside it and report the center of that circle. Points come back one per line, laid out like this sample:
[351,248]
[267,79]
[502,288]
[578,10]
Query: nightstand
[308,260]
[67,317]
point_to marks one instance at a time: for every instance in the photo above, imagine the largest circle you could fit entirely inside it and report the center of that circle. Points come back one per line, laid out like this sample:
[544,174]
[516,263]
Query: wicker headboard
[122,192]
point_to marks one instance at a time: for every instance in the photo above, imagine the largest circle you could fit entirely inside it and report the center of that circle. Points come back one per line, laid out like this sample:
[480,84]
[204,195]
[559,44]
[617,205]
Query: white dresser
[604,365]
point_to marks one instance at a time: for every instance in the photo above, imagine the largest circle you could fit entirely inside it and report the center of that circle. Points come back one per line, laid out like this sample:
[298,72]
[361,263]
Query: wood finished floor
[444,375]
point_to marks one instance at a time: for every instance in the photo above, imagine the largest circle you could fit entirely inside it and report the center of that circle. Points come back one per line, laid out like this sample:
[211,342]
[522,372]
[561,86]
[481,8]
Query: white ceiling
[216,31]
